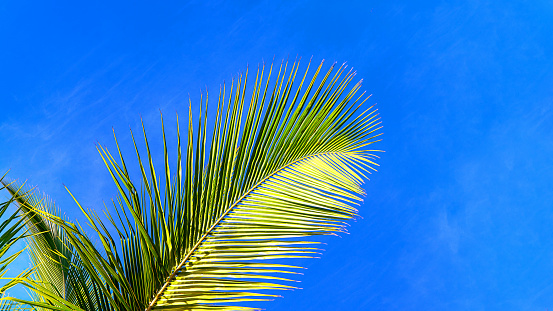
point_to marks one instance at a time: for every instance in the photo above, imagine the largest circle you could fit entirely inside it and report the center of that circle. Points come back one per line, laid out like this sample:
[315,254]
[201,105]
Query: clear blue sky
[460,214]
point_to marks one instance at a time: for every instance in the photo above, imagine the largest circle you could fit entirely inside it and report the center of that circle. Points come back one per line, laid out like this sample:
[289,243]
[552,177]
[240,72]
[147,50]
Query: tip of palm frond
[6,173]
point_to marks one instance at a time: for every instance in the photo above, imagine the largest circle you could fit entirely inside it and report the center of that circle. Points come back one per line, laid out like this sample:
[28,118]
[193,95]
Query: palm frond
[10,233]
[285,167]
[57,278]
[293,172]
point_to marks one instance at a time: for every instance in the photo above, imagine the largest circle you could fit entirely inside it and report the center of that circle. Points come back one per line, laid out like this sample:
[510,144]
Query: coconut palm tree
[214,230]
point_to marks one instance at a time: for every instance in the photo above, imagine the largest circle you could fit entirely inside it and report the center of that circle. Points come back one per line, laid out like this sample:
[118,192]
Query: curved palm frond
[298,176]
[10,229]
[10,233]
[285,167]
[57,279]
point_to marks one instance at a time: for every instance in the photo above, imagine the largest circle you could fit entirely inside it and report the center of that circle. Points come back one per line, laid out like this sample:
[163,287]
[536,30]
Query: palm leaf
[10,233]
[295,174]
[10,229]
[285,167]
[57,278]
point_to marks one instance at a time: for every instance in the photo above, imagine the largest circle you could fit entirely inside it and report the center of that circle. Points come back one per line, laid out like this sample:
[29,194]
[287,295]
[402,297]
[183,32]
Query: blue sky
[460,214]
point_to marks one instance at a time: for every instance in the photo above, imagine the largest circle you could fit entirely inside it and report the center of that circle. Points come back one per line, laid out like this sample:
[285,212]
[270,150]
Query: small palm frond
[57,278]
[285,167]
[10,233]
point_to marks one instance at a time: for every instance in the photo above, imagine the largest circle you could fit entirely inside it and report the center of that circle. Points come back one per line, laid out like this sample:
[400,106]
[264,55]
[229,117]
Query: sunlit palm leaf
[285,167]
[10,232]
[293,175]
[57,279]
